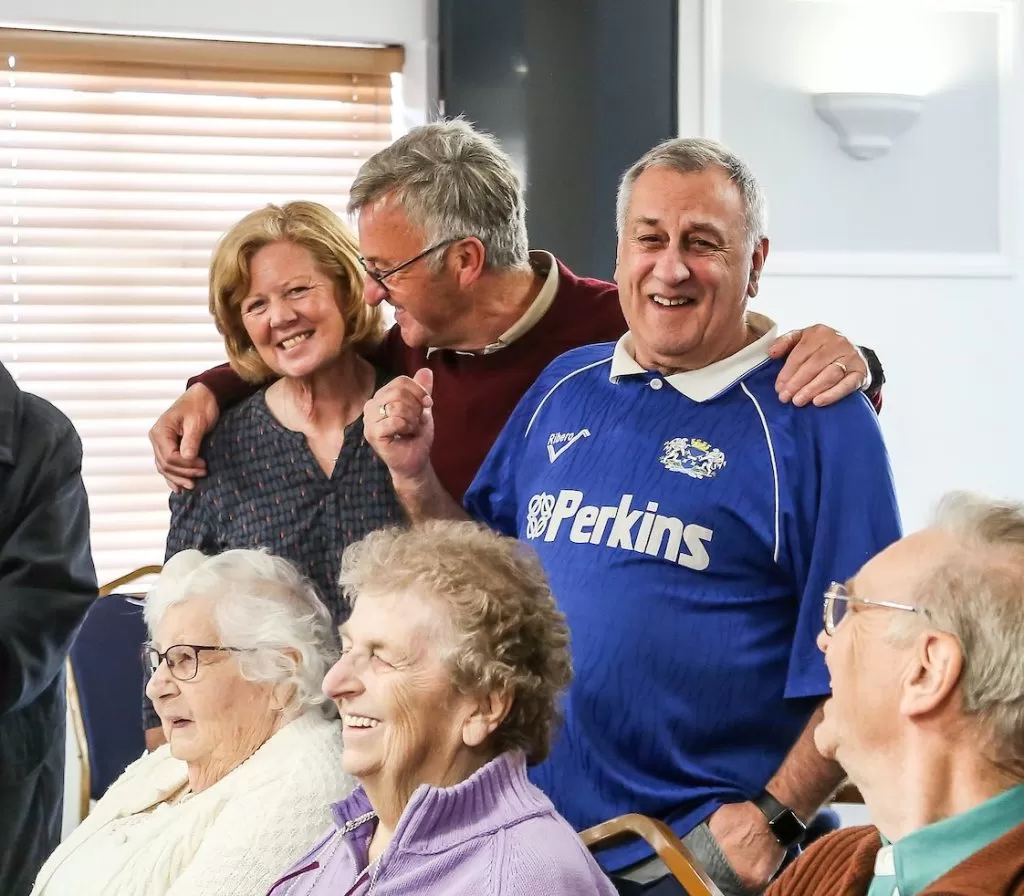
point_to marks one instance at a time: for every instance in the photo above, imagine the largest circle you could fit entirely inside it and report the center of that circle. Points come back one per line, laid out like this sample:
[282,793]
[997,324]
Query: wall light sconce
[867,123]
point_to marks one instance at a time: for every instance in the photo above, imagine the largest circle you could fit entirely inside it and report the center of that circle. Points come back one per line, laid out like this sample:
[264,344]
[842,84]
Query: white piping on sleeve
[551,391]
[775,467]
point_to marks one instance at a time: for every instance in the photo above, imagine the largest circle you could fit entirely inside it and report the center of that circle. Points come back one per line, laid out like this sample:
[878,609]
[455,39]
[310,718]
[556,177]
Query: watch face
[787,828]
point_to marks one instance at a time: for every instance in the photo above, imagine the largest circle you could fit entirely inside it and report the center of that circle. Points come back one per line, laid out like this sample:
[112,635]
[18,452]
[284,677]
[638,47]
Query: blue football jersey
[689,526]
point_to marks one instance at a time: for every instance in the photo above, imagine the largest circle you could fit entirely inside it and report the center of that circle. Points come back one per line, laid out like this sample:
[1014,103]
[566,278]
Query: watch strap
[783,822]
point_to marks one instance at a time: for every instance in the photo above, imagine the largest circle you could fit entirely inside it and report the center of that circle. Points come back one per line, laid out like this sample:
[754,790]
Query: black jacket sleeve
[47,579]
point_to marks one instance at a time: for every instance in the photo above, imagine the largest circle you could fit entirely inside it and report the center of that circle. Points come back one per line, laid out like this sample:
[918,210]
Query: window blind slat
[111,334]
[68,52]
[356,145]
[359,88]
[159,126]
[137,293]
[155,219]
[190,312]
[231,201]
[113,171]
[20,100]
[168,372]
[104,257]
[51,238]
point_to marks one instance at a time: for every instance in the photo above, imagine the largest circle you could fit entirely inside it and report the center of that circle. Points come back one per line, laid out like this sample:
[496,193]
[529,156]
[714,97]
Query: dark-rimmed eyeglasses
[182,659]
[838,599]
[380,276]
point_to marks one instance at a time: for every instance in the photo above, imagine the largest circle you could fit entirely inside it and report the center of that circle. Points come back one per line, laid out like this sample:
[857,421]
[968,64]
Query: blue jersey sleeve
[838,509]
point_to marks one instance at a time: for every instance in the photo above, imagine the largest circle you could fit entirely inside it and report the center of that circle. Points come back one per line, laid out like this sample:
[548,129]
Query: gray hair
[691,155]
[453,182]
[259,603]
[505,632]
[977,594]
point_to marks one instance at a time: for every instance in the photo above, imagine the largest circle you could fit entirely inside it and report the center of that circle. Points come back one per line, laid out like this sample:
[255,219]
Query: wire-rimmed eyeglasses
[838,599]
[182,659]
[380,276]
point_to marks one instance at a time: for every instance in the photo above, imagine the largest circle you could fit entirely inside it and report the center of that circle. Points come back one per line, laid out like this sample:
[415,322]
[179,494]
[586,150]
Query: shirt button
[656,384]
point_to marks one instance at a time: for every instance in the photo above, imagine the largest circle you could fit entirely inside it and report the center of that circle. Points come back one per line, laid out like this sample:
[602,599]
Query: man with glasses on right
[924,647]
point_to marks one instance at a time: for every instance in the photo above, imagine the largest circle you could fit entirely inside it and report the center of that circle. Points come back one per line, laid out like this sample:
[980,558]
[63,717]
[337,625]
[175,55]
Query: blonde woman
[289,469]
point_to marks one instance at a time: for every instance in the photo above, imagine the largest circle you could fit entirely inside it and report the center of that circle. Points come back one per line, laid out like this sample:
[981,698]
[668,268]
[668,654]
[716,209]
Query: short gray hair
[258,603]
[506,633]
[691,155]
[452,181]
[977,594]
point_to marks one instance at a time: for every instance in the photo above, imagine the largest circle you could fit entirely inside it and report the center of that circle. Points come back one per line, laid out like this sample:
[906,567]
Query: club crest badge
[695,458]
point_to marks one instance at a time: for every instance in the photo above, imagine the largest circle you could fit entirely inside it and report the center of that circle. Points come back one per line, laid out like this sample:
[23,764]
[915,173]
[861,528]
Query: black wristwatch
[783,822]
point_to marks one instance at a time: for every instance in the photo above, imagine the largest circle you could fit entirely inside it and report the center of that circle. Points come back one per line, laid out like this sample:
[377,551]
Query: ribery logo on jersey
[560,442]
[644,531]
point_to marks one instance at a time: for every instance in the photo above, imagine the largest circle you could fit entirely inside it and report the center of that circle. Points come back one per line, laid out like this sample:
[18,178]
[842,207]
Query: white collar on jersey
[706,383]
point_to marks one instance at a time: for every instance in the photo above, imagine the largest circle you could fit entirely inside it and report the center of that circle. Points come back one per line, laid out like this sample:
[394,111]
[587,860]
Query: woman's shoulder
[240,420]
[300,761]
[144,782]
[544,853]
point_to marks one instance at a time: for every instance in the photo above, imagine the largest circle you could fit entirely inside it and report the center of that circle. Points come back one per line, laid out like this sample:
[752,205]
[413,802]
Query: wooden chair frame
[663,840]
[75,703]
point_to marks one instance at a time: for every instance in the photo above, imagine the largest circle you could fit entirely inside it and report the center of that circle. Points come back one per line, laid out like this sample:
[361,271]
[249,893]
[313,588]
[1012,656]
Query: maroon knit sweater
[475,394]
[843,864]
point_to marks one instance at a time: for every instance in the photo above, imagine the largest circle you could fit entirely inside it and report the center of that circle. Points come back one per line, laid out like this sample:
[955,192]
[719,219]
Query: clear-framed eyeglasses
[379,277]
[838,600]
[182,659]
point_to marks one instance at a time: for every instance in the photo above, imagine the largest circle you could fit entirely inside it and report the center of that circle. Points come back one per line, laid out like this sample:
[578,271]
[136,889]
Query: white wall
[916,254]
[412,23]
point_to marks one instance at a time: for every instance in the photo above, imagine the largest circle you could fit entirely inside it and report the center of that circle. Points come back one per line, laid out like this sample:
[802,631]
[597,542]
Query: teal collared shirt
[906,867]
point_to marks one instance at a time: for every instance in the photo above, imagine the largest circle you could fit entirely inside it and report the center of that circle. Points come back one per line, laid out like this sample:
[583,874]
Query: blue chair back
[106,658]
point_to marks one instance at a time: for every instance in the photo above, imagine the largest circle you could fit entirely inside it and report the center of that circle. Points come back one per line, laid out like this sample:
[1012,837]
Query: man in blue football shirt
[689,522]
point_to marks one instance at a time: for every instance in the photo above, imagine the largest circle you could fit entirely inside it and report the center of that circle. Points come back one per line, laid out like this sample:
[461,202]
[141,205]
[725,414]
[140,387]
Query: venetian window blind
[122,159]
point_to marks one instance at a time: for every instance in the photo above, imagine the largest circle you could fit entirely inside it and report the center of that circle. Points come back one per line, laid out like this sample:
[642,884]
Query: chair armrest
[663,840]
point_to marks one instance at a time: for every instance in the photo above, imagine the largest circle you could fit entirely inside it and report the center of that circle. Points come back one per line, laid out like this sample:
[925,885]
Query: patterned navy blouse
[264,488]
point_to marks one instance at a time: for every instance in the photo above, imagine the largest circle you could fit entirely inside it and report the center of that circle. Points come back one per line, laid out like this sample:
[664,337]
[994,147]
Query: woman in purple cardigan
[452,664]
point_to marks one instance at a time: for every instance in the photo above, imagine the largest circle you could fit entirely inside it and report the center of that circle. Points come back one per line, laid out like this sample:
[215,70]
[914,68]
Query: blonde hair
[334,249]
[506,633]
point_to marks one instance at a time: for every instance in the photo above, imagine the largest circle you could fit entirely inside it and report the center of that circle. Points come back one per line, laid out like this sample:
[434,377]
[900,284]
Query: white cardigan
[233,839]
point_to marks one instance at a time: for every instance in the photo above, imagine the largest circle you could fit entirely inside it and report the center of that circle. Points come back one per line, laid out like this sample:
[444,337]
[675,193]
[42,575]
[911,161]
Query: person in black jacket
[47,582]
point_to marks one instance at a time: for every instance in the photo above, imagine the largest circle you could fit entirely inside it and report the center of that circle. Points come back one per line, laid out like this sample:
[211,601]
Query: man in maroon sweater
[442,223]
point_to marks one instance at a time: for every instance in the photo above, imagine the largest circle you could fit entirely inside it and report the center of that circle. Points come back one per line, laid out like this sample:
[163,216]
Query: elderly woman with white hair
[925,647]
[240,644]
[453,663]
